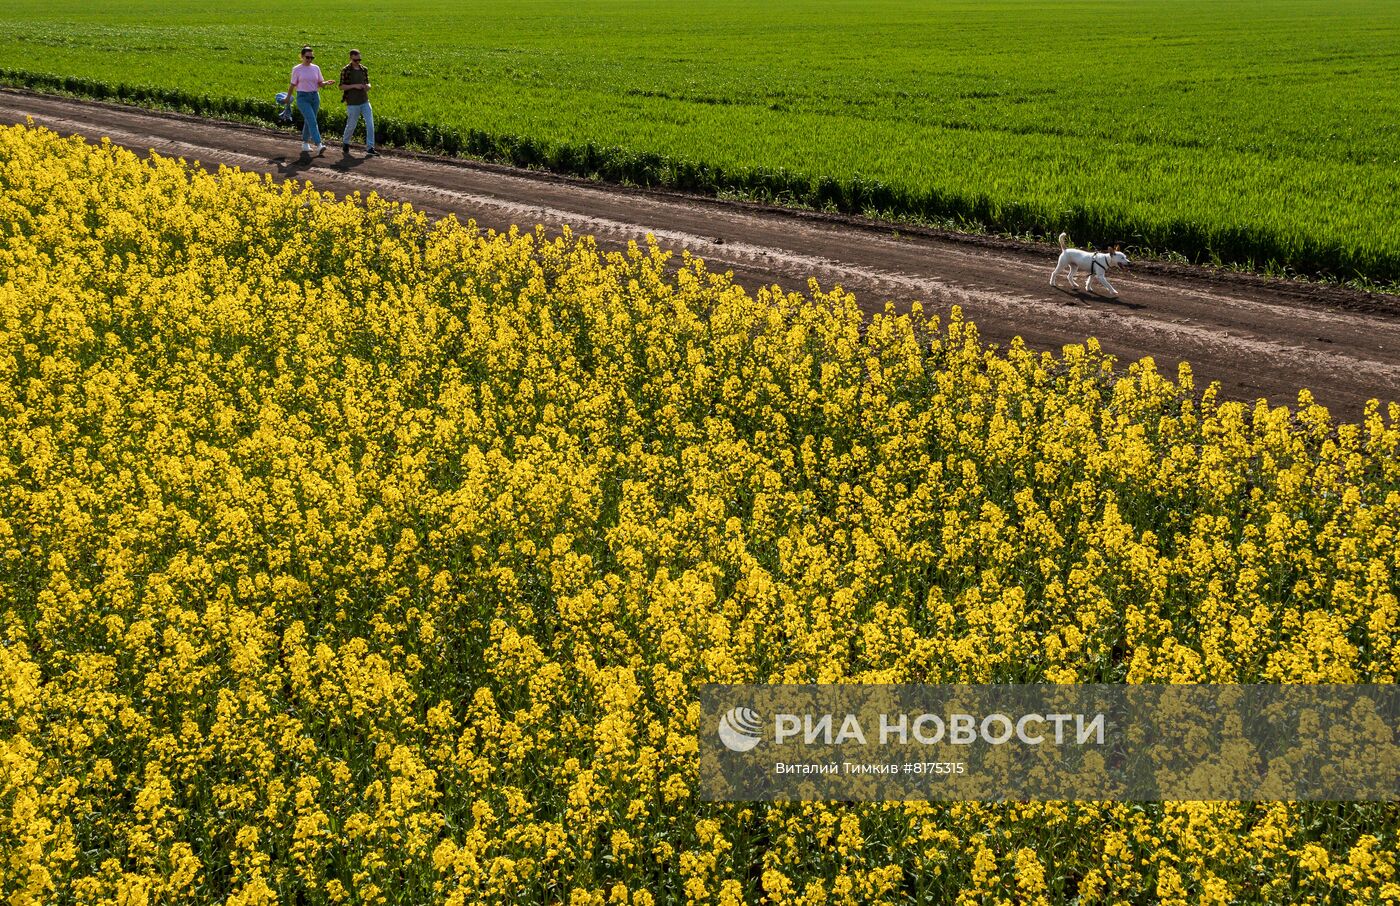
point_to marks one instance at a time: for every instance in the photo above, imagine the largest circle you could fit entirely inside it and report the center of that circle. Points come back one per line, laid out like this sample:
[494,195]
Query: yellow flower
[350,556]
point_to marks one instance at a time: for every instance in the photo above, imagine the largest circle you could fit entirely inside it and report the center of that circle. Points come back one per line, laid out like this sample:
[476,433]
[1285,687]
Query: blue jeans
[309,103]
[353,112]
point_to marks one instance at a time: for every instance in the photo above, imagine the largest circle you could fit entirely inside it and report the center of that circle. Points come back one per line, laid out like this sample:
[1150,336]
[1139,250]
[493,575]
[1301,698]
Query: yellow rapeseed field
[347,557]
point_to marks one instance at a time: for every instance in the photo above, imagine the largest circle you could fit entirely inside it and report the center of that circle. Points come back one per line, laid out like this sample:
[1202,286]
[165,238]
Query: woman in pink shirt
[306,87]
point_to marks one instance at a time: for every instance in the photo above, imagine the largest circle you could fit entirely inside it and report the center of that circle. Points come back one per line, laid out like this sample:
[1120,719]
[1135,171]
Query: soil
[1259,337]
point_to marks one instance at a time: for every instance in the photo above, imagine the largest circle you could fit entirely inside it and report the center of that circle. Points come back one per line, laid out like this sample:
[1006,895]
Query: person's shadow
[293,166]
[347,162]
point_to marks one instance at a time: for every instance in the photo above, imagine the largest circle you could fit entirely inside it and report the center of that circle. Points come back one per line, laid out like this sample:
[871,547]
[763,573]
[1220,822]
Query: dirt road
[1257,337]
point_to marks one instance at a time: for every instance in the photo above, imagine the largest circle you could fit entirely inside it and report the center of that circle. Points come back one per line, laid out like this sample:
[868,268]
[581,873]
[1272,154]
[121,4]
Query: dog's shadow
[1081,296]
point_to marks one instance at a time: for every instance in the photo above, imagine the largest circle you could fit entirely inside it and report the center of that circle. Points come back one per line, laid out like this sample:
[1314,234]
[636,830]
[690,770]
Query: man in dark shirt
[354,90]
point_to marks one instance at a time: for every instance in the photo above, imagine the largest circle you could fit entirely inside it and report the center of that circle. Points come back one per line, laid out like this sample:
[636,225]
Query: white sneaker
[306,146]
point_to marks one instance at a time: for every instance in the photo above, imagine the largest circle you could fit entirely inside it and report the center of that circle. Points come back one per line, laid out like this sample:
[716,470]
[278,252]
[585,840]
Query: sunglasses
[308,56]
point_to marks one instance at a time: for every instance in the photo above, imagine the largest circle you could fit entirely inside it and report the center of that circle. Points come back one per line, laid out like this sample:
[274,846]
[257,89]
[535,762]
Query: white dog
[1096,263]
